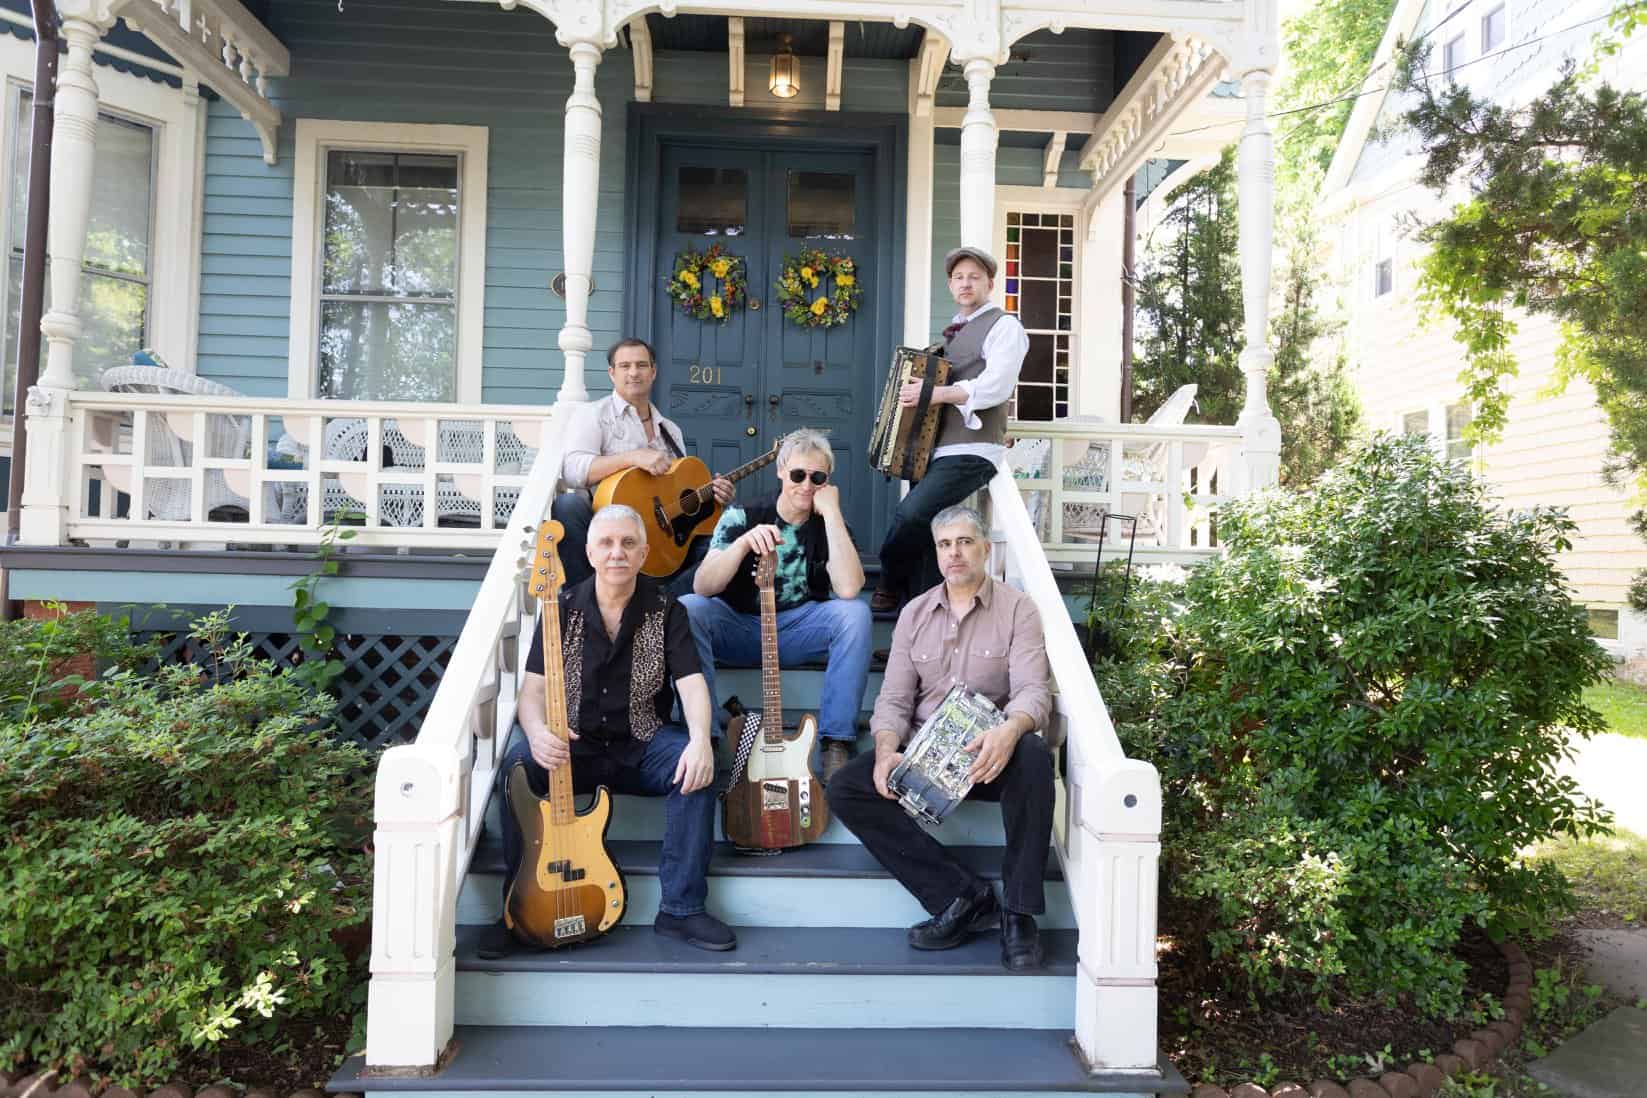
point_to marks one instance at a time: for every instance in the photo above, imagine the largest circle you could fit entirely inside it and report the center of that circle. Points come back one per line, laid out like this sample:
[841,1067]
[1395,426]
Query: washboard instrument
[902,443]
[933,776]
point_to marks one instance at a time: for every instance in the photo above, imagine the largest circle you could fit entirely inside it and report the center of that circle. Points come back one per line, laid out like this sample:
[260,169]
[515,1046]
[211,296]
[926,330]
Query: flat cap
[978,255]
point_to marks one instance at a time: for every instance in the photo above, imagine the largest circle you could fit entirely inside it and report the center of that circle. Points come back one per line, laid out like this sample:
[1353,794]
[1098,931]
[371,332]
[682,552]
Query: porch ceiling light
[786,70]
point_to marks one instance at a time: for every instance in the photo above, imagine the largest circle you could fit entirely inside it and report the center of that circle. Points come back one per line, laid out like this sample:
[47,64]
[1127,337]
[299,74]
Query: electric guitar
[677,505]
[567,889]
[774,801]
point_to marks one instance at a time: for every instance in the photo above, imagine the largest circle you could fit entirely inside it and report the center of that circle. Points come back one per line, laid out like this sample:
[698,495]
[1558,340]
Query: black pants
[923,865]
[909,563]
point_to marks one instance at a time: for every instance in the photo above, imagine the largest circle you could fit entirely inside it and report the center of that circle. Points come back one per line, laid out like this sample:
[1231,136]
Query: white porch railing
[431,798]
[1169,479]
[221,470]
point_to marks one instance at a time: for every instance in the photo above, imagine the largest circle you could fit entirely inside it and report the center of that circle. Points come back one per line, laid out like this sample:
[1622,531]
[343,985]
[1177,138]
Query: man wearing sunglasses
[816,587]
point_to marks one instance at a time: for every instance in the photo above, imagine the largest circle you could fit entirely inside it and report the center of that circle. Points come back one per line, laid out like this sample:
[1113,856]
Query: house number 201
[706,375]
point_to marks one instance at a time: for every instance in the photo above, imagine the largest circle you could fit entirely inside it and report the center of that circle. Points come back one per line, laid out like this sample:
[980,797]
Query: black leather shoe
[966,915]
[1020,942]
[702,930]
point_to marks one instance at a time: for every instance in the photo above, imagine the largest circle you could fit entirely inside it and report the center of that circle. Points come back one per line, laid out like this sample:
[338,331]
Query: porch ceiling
[707,33]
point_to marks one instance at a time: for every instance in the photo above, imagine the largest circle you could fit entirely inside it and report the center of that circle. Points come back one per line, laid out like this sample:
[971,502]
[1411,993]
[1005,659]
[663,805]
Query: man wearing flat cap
[986,348]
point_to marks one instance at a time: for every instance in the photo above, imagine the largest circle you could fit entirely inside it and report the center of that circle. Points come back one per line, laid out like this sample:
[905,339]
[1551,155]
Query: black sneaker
[702,930]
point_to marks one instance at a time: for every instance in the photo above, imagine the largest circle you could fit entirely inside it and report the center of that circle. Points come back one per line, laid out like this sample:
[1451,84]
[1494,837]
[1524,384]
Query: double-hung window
[116,275]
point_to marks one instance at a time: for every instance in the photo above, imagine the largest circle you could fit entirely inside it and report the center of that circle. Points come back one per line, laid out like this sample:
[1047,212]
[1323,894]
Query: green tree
[1329,48]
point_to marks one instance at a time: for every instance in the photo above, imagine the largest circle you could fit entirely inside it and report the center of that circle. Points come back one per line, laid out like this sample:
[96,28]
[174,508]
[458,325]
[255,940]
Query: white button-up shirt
[1004,349]
[612,426]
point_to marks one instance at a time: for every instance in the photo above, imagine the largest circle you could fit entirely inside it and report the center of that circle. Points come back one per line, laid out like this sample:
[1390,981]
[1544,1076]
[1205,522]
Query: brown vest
[965,352]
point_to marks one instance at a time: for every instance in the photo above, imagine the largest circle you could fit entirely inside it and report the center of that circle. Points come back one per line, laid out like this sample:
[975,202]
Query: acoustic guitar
[567,889]
[774,801]
[678,504]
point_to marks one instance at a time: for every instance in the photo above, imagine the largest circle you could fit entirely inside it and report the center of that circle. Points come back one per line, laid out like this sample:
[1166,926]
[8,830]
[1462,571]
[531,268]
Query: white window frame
[1051,200]
[178,118]
[1448,68]
[1378,268]
[1496,9]
[318,136]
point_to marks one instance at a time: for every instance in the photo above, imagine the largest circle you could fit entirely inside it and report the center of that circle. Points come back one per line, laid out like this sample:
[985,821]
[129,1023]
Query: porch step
[802,687]
[778,976]
[822,885]
[625,1061]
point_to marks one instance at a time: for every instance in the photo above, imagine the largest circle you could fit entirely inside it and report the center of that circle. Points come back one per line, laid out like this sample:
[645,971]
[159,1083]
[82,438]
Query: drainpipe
[34,260]
[1129,234]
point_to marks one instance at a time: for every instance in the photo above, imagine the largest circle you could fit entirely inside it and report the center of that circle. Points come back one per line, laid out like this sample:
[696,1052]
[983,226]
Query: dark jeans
[909,563]
[575,510]
[923,865]
[689,820]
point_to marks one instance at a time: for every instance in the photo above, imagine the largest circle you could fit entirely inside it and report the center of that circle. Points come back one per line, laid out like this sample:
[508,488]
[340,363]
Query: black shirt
[619,692]
[803,558]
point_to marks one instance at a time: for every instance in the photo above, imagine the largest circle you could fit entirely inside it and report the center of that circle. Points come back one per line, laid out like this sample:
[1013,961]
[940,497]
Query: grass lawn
[1622,705]
[1609,874]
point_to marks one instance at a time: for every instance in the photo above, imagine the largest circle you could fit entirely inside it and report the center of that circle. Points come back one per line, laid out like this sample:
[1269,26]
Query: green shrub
[1357,712]
[35,681]
[180,855]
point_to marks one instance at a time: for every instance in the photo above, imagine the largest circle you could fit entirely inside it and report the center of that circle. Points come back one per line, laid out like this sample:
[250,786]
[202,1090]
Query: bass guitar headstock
[544,572]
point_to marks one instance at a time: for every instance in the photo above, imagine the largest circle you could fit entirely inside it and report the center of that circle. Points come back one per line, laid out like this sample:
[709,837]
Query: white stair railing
[1109,837]
[431,798]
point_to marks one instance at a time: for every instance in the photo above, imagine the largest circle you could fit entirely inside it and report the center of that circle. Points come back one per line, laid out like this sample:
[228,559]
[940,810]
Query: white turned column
[1261,432]
[978,140]
[580,192]
[73,159]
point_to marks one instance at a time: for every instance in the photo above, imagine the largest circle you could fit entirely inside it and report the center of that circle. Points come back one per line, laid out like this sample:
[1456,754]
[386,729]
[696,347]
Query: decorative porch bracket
[224,44]
[1177,72]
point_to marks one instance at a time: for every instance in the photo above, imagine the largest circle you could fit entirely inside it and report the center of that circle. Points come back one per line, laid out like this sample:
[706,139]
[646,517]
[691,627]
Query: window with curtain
[116,272]
[389,277]
[1040,291]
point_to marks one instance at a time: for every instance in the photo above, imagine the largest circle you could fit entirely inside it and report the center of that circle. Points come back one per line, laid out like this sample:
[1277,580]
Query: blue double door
[737,386]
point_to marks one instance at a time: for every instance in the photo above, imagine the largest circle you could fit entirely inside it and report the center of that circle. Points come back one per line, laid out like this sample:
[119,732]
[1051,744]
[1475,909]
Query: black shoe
[967,914]
[885,602]
[702,930]
[1020,942]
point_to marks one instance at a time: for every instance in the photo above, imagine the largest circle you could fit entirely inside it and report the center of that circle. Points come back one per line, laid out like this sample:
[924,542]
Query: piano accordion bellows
[902,443]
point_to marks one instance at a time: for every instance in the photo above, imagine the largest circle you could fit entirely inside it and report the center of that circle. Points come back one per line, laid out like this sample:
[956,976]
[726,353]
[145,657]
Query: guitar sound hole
[689,503]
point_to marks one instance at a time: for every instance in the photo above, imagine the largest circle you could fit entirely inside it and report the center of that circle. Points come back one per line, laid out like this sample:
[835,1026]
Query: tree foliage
[1329,46]
[1357,713]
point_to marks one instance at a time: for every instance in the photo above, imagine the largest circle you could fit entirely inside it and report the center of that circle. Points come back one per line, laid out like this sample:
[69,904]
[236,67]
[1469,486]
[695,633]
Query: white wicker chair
[227,437]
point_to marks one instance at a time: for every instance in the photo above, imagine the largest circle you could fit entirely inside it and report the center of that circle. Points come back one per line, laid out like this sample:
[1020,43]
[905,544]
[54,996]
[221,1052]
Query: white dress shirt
[1004,349]
[612,426]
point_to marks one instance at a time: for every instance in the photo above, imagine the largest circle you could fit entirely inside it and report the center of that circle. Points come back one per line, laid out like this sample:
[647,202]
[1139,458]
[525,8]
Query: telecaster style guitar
[774,801]
[678,506]
[568,889]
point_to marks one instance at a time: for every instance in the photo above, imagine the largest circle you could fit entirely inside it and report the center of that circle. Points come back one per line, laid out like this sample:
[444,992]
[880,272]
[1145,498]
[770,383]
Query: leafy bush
[1357,713]
[180,855]
[35,679]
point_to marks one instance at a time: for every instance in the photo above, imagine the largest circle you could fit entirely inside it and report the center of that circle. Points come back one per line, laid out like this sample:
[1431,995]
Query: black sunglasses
[797,475]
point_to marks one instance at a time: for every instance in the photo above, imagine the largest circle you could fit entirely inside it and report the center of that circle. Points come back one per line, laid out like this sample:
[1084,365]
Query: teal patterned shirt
[789,582]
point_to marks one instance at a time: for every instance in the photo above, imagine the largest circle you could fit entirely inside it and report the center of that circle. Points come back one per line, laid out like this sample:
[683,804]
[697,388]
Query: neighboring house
[1554,447]
[382,246]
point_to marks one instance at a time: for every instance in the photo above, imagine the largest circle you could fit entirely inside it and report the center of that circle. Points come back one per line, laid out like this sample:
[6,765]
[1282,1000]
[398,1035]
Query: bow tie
[950,332]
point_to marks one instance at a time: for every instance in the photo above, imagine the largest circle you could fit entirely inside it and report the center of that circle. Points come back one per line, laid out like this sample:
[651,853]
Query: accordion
[932,778]
[902,443]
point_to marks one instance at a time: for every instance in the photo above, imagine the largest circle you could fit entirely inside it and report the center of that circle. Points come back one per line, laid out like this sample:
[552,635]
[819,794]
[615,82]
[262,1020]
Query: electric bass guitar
[677,505]
[567,889]
[774,801]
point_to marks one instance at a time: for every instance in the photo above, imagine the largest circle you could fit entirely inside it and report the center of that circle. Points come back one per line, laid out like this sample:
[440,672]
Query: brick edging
[1422,1079]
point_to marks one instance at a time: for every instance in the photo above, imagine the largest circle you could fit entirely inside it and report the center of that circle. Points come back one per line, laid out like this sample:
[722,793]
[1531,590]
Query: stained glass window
[1040,292]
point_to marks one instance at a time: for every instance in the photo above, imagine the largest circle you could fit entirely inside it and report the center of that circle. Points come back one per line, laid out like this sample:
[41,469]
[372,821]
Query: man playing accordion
[985,636]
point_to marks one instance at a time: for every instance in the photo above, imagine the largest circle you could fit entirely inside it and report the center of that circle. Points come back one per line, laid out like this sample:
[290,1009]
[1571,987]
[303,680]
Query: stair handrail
[431,795]
[1109,841]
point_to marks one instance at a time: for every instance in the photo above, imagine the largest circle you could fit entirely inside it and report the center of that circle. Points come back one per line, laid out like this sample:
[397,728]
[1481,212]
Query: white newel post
[580,193]
[418,812]
[73,158]
[978,140]
[1119,813]
[1260,430]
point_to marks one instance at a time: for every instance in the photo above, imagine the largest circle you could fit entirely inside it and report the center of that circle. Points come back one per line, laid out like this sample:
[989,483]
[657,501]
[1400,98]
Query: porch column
[1260,430]
[1097,339]
[978,140]
[580,192]
[73,156]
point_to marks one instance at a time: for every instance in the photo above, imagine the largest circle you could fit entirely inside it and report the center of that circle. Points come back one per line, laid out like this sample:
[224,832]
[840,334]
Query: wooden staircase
[823,994]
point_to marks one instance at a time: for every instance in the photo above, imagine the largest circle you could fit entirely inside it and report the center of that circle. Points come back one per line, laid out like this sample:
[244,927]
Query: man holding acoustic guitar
[619,432]
[626,648]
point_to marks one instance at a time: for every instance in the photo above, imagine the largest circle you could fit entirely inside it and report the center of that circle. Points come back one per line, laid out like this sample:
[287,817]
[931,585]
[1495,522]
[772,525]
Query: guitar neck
[705,494]
[771,673]
[554,693]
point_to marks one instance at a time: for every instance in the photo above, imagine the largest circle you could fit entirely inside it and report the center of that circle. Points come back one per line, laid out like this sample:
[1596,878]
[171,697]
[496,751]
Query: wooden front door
[737,386]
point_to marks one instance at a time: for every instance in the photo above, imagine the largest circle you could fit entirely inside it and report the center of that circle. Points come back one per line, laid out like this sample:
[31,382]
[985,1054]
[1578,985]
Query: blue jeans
[838,629]
[689,819]
[909,563]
